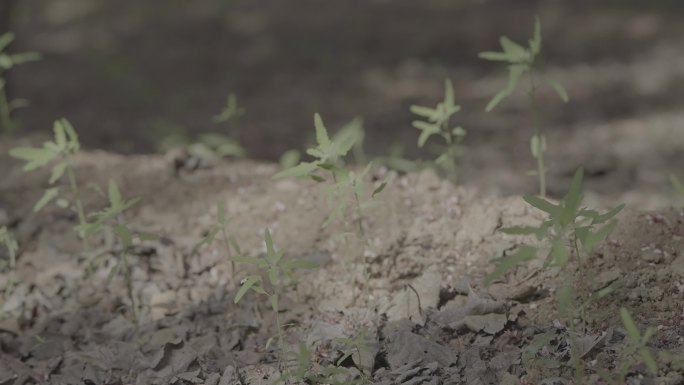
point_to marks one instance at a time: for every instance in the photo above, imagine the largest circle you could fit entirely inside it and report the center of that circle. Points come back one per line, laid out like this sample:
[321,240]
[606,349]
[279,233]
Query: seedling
[112,218]
[521,61]
[57,154]
[8,240]
[228,241]
[569,230]
[638,343]
[226,145]
[438,123]
[7,62]
[273,272]
[304,372]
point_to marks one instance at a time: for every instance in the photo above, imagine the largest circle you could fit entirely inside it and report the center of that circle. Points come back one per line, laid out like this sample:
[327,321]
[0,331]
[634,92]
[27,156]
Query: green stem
[230,255]
[537,132]
[79,206]
[583,287]
[128,276]
[5,114]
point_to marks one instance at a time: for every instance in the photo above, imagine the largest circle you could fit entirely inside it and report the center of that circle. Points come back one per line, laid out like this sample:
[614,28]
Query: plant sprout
[7,62]
[520,61]
[438,123]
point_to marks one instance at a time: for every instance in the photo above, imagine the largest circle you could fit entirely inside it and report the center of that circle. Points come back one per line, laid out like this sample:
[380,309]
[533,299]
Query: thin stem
[128,276]
[79,206]
[583,288]
[230,255]
[5,117]
[537,132]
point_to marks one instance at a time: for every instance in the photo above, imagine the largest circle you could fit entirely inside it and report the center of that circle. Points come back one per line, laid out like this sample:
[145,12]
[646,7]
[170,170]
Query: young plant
[304,371]
[520,61]
[111,218]
[226,145]
[344,189]
[57,154]
[7,62]
[570,231]
[8,240]
[638,343]
[228,241]
[438,123]
[273,272]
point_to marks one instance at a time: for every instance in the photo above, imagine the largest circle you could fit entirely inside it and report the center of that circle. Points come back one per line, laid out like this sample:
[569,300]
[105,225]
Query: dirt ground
[427,317]
[112,68]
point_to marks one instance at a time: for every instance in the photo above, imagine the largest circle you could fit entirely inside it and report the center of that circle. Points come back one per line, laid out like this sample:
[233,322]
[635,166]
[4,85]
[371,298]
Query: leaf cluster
[437,119]
[230,111]
[272,269]
[56,152]
[7,61]
[566,220]
[519,60]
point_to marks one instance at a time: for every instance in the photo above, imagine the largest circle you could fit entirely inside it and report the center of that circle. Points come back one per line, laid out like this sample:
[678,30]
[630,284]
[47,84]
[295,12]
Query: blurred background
[130,73]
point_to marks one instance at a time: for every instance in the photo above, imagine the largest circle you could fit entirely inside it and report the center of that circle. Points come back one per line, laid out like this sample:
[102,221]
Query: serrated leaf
[560,90]
[321,132]
[124,235]
[524,253]
[57,171]
[47,197]
[249,282]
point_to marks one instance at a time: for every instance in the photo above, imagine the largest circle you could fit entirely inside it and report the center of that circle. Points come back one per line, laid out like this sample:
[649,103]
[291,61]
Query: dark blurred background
[128,72]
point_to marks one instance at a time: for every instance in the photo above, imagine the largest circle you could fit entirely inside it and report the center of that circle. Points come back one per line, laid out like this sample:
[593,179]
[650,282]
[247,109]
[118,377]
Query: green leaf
[294,264]
[248,283]
[630,326]
[124,235]
[6,39]
[592,239]
[513,50]
[249,260]
[270,250]
[523,230]
[560,90]
[321,132]
[496,100]
[565,305]
[573,199]
[449,94]
[524,253]
[494,56]
[47,197]
[273,276]
[58,171]
[543,205]
[428,129]
[274,303]
[559,252]
[115,200]
[34,157]
[608,215]
[303,169]
[648,359]
[426,112]
[536,41]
